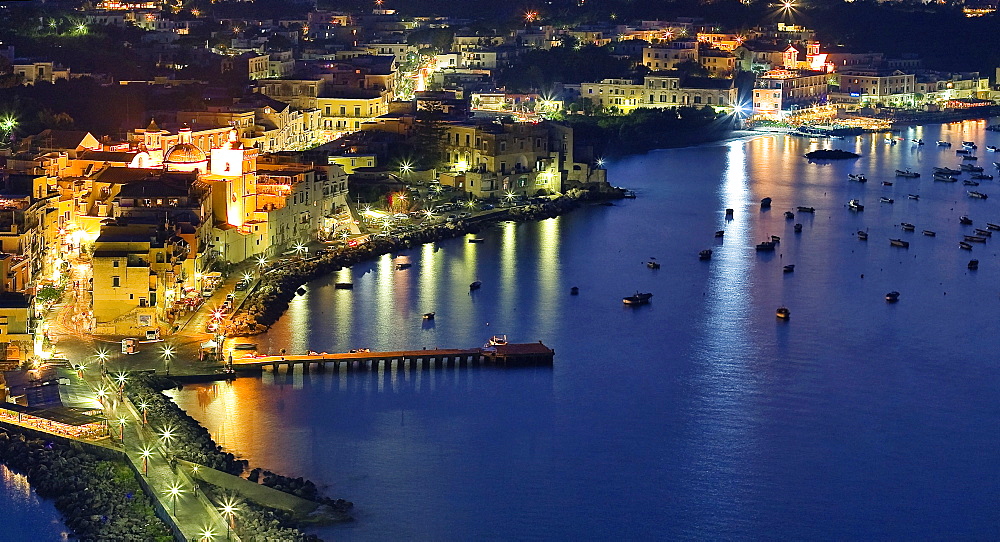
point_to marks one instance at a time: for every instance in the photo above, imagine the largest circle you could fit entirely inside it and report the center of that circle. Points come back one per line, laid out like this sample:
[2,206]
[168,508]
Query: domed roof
[184,153]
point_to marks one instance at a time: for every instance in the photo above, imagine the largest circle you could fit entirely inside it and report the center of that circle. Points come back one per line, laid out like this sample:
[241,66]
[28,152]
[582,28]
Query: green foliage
[539,69]
[645,129]
[48,294]
[439,39]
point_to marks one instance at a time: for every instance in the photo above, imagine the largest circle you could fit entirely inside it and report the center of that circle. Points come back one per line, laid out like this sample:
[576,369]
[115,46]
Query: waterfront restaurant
[59,420]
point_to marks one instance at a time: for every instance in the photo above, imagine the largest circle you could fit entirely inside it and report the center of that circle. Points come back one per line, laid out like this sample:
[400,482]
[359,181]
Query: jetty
[495,353]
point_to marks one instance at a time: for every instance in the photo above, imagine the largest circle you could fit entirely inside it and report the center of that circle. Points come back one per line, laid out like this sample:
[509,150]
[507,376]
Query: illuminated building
[778,91]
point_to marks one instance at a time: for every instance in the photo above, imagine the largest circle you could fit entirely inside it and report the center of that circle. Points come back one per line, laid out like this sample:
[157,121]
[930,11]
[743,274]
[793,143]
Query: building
[36,72]
[659,90]
[667,57]
[874,87]
[719,63]
[778,91]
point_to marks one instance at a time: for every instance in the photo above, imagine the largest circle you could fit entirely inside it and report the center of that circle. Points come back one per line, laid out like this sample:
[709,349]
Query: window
[115,282]
[114,263]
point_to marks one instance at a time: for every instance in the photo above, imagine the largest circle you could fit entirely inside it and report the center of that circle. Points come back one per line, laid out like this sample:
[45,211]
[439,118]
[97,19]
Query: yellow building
[16,326]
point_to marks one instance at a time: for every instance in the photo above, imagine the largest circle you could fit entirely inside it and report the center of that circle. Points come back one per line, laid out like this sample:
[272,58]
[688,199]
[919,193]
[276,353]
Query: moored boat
[929,233]
[855,205]
[984,233]
[964,246]
[797,228]
[859,177]
[962,152]
[947,170]
[783,313]
[884,199]
[788,268]
[475,285]
[971,168]
[428,316]
[344,286]
[907,226]
[977,195]
[964,220]
[970,183]
[992,226]
[973,264]
[944,178]
[476,240]
[886,183]
[404,265]
[969,144]
[862,235]
[943,144]
[705,254]
[992,148]
[899,243]
[720,233]
[975,239]
[637,299]
[766,246]
[908,174]
[892,297]
[765,203]
[729,212]
[653,265]
[574,290]
[775,239]
[970,157]
[803,209]
[789,215]
[913,196]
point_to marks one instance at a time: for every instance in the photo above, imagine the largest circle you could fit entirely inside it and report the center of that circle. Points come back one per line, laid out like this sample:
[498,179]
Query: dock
[500,355]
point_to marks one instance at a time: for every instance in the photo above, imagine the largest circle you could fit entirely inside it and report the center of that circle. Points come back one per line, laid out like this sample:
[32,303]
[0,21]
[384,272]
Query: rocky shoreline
[265,304]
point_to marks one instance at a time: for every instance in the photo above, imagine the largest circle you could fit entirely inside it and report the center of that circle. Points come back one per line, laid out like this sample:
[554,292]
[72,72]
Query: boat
[245,346]
[653,265]
[574,291]
[344,286]
[996,165]
[892,297]
[806,209]
[971,168]
[940,177]
[720,233]
[907,226]
[973,264]
[908,174]
[899,243]
[797,228]
[637,299]
[788,268]
[862,235]
[783,313]
[970,183]
[789,215]
[969,144]
[981,177]
[775,239]
[970,157]
[766,246]
[929,233]
[964,220]
[992,148]
[628,194]
[859,177]
[962,152]
[984,233]
[428,316]
[977,195]
[475,285]
[855,205]
[947,170]
[765,203]
[943,144]
[729,212]
[404,265]
[886,183]
[913,196]
[975,239]
[992,226]
[965,246]
[705,254]
[476,240]
[918,141]
[884,199]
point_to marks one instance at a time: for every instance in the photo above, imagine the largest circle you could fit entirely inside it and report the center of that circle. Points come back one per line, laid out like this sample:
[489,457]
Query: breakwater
[266,303]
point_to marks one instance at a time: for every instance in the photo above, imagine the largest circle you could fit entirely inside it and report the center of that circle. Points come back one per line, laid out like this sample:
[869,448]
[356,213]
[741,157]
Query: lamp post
[121,378]
[145,453]
[166,435]
[228,510]
[121,427]
[207,534]
[144,407]
[174,491]
[168,353]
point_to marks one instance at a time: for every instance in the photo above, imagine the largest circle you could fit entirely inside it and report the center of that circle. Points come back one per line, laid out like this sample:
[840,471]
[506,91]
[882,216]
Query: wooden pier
[501,355]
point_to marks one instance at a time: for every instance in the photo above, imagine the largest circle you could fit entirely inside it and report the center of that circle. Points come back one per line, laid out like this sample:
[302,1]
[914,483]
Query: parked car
[242,284]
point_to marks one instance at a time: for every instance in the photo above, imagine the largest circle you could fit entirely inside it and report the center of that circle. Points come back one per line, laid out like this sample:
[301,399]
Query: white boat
[977,195]
[859,177]
[913,196]
[884,199]
[855,205]
[944,144]
[969,144]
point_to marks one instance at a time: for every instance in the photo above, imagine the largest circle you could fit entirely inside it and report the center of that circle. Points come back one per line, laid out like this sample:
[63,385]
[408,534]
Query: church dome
[184,153]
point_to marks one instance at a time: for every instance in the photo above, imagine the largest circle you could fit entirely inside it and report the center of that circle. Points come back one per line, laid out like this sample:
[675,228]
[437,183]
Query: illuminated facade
[779,91]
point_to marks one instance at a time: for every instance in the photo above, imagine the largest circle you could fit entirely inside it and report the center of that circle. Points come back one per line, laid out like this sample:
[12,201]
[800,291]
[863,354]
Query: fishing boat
[940,177]
[947,170]
[908,174]
[705,254]
[977,195]
[862,235]
[344,286]
[907,226]
[428,316]
[803,209]
[637,299]
[899,243]
[981,177]
[970,183]
[929,233]
[729,213]
[992,226]
[884,199]
[973,264]
[797,228]
[783,313]
[404,265]
[475,239]
[964,246]
[475,285]
[971,168]
[859,177]
[574,290]
[775,239]
[886,183]
[996,165]
[765,203]
[975,239]
[789,215]
[984,233]
[992,148]
[855,205]
[969,144]
[913,196]
[943,144]
[892,297]
[918,141]
[970,158]
[766,246]
[964,220]
[653,265]
[720,233]
[962,152]
[788,268]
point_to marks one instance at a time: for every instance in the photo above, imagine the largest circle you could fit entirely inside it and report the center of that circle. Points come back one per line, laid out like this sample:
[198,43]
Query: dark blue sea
[26,516]
[699,416]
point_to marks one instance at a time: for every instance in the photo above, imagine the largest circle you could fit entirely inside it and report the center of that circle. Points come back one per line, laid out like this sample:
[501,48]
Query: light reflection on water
[25,515]
[698,416]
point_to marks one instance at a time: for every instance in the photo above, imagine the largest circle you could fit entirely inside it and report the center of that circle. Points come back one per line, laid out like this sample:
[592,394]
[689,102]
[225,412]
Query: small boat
[892,297]
[969,144]
[806,209]
[899,243]
[404,265]
[475,285]
[705,254]
[775,239]
[637,299]
[797,228]
[973,264]
[981,177]
[628,194]
[984,233]
[947,170]
[859,177]
[996,165]
[729,212]
[992,148]
[862,235]
[964,246]
[943,144]
[344,286]
[855,205]
[913,196]
[653,265]
[908,174]
[300,291]
[428,316]
[971,168]
[574,291]
[789,215]
[975,239]
[977,195]
[964,220]
[884,199]
[476,240]
[970,183]
[788,268]
[766,246]
[962,152]
[929,233]
[765,203]
[918,141]
[970,157]
[941,177]
[886,183]
[783,313]
[907,226]
[720,233]
[992,226]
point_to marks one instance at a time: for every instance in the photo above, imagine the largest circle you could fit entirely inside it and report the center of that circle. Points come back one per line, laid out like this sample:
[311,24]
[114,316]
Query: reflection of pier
[502,355]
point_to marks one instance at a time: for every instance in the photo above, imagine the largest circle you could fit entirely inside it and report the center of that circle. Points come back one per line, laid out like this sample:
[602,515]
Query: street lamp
[168,352]
[166,435]
[121,426]
[144,407]
[121,378]
[261,261]
[207,534]
[102,393]
[174,491]
[145,453]
[228,510]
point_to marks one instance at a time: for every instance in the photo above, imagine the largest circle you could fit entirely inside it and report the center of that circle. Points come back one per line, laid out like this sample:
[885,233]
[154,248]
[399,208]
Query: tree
[48,294]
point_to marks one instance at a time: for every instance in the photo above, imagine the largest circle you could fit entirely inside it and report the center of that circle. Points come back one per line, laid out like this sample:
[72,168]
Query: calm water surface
[699,416]
[26,516]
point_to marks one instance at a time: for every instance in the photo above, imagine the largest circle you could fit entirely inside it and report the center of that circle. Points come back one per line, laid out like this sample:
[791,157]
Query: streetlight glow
[145,453]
